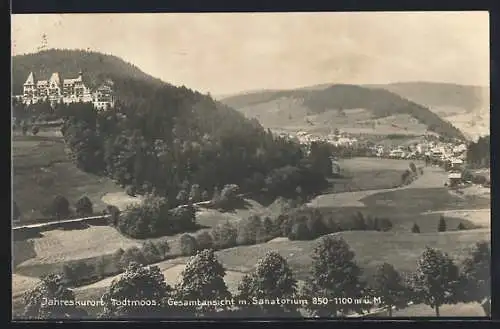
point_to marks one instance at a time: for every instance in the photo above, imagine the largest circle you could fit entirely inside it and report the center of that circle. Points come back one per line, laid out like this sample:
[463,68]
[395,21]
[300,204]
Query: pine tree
[415,228]
[442,224]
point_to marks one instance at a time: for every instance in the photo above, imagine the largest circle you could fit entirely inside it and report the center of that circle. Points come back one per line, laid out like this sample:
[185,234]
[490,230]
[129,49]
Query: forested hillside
[164,139]
[381,103]
[95,66]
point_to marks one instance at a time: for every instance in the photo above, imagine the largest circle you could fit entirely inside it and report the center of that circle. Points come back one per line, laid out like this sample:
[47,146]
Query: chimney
[80,75]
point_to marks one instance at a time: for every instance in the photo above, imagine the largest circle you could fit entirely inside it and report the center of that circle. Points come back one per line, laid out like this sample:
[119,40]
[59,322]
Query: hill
[95,67]
[160,138]
[350,107]
[443,98]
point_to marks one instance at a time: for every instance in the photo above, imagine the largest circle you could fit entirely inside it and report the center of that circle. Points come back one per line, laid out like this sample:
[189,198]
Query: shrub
[461,226]
[131,190]
[413,167]
[479,179]
[188,245]
[224,235]
[151,252]
[415,228]
[248,229]
[35,130]
[59,207]
[133,254]
[204,241]
[84,206]
[163,247]
[385,224]
[300,231]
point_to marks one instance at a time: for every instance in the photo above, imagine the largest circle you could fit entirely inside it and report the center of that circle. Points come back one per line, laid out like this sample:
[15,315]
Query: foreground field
[371,248]
[42,170]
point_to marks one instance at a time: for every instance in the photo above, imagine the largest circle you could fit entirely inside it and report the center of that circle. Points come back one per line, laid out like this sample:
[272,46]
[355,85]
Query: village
[450,155]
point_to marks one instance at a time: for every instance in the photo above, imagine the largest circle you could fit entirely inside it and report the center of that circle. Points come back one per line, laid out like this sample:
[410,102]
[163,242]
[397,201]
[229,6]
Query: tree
[114,213]
[461,226]
[204,240]
[389,285]
[24,128]
[35,130]
[189,245]
[59,207]
[39,301]
[203,279]
[182,197]
[442,224]
[138,293]
[83,207]
[151,253]
[413,167]
[334,274]
[16,213]
[224,235]
[436,279]
[132,254]
[163,247]
[415,228]
[195,193]
[267,231]
[205,196]
[271,280]
[248,229]
[477,274]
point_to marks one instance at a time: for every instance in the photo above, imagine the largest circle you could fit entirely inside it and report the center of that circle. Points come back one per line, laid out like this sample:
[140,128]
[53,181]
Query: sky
[227,53]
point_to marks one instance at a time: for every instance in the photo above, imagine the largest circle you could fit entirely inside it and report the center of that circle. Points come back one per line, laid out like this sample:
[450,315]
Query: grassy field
[42,170]
[364,174]
[371,248]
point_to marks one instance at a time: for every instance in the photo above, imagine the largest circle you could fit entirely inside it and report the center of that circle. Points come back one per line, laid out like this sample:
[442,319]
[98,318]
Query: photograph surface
[250,165]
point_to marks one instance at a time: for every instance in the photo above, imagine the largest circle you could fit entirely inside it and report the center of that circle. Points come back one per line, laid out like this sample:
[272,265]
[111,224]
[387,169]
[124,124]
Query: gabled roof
[31,79]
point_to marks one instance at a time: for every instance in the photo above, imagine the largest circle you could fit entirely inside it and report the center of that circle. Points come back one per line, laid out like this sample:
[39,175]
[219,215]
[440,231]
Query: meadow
[43,170]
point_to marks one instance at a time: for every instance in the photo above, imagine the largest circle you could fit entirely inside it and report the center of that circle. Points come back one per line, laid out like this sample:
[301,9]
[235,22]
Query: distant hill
[349,107]
[438,96]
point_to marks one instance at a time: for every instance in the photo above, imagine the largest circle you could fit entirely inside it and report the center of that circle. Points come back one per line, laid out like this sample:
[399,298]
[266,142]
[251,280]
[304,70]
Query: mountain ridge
[339,97]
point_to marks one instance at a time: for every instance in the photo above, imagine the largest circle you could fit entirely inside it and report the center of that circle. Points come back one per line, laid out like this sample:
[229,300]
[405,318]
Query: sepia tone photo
[250,165]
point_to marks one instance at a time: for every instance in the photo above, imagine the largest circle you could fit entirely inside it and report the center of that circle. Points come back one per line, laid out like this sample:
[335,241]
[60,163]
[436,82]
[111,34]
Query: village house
[66,91]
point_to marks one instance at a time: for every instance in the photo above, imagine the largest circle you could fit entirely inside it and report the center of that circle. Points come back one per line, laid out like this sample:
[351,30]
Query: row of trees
[296,224]
[60,208]
[441,227]
[334,275]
